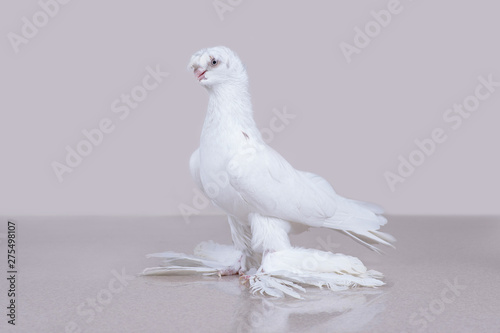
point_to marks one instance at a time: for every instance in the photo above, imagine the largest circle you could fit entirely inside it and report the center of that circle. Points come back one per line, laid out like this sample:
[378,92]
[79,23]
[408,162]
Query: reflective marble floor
[80,274]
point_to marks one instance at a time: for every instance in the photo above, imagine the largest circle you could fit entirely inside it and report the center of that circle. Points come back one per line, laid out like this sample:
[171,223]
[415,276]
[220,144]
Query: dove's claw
[244,278]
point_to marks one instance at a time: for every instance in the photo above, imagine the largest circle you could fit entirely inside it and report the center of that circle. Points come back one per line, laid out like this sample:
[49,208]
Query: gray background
[352,121]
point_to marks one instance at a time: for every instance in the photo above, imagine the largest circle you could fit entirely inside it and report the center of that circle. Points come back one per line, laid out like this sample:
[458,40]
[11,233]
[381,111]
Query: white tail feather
[361,221]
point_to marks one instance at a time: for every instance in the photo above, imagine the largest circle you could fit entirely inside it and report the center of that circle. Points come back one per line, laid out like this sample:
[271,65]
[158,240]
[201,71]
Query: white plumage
[266,199]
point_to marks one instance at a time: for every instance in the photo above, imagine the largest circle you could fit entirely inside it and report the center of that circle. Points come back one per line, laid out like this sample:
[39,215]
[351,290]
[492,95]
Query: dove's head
[217,66]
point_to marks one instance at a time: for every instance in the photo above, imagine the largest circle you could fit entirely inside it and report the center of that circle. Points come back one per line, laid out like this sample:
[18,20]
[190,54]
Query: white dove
[266,199]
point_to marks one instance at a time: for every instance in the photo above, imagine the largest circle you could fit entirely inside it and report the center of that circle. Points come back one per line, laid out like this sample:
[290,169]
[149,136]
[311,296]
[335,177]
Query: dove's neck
[229,104]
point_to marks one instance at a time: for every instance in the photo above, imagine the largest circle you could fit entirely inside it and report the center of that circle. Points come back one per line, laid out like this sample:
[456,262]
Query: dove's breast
[218,146]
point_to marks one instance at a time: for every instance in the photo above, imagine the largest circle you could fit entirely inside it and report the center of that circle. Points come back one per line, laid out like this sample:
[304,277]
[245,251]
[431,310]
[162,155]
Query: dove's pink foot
[244,278]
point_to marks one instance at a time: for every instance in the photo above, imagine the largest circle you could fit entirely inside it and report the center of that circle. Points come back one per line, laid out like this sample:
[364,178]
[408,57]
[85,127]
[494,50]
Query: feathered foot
[288,271]
[273,286]
[209,258]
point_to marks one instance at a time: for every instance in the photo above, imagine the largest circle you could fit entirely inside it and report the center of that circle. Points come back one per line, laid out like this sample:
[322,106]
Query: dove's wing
[272,187]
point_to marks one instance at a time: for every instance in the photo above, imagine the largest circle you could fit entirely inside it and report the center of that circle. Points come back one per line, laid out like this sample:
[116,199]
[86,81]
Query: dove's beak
[200,73]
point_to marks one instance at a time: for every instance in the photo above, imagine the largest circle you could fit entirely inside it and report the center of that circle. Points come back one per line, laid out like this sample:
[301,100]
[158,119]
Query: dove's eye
[214,62]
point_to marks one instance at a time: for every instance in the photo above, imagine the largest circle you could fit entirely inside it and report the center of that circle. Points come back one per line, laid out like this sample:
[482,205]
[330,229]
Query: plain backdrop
[352,120]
